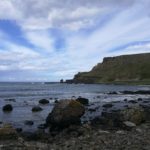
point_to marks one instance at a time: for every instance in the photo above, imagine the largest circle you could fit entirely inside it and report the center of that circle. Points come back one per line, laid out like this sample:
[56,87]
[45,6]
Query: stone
[133,101]
[82,100]
[36,109]
[140,99]
[129,124]
[109,105]
[65,113]
[43,101]
[29,122]
[134,114]
[8,132]
[7,107]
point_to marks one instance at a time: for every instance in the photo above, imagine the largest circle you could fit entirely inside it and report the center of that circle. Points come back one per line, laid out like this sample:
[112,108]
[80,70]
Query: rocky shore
[78,124]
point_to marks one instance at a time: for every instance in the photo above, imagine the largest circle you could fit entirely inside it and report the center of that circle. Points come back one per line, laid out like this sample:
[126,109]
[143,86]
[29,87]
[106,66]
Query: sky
[49,40]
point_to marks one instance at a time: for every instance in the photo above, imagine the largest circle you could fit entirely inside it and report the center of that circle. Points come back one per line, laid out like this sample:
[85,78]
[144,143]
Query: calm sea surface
[27,95]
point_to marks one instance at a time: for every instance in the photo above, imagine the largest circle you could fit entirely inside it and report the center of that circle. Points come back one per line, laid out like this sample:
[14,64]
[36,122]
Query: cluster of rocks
[9,107]
[112,129]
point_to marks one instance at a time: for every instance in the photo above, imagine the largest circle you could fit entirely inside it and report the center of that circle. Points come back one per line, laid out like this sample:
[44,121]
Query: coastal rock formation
[65,113]
[36,109]
[83,101]
[7,107]
[43,101]
[135,115]
[120,69]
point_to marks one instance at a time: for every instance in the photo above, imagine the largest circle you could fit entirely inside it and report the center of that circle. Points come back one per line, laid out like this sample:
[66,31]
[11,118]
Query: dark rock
[92,109]
[19,130]
[29,122]
[43,101]
[108,105]
[98,96]
[146,101]
[125,100]
[10,99]
[136,92]
[133,101]
[56,101]
[61,81]
[126,106]
[113,92]
[65,113]
[36,109]
[140,99]
[83,101]
[7,107]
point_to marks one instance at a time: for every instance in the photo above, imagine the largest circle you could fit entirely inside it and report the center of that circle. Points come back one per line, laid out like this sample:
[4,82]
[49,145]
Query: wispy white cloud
[91,30]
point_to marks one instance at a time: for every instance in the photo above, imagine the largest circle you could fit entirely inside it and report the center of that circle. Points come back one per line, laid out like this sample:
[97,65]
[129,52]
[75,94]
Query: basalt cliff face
[121,69]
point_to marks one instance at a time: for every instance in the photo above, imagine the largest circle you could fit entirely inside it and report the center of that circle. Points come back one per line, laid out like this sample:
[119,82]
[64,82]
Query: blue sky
[46,40]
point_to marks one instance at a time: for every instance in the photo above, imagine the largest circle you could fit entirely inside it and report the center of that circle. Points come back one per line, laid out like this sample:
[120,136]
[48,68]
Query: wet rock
[82,100]
[140,99]
[133,101]
[29,122]
[92,109]
[146,101]
[136,92]
[125,100]
[43,101]
[36,109]
[56,101]
[10,99]
[7,132]
[108,105]
[126,106]
[134,114]
[65,113]
[7,107]
[19,130]
[113,92]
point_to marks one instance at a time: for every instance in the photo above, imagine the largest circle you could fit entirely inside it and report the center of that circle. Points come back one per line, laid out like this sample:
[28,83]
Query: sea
[23,96]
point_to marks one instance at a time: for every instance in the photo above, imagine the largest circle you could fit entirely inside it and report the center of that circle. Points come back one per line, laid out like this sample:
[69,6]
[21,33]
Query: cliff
[121,69]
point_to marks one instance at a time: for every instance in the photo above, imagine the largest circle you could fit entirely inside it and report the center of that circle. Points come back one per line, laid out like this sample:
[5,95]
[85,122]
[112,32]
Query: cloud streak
[56,39]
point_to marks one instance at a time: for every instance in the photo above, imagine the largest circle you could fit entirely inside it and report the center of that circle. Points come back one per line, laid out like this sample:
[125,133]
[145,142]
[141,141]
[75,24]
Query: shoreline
[95,133]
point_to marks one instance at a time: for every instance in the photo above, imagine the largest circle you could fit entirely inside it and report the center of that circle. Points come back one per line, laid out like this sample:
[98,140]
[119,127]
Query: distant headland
[124,69]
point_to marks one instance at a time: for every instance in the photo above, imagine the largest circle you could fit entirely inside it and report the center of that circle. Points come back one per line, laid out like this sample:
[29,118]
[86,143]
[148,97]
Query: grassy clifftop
[120,69]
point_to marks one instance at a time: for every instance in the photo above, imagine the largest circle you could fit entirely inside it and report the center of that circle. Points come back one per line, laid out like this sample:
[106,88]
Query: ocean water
[27,95]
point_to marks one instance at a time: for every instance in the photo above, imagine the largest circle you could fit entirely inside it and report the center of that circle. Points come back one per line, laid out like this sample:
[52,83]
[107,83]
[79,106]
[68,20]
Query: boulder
[7,107]
[29,122]
[65,113]
[134,114]
[36,109]
[43,101]
[133,101]
[109,105]
[82,100]
[7,132]
[121,118]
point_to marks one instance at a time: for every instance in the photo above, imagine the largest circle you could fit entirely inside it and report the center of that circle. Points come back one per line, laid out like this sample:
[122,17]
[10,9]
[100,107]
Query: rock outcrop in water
[120,69]
[65,113]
